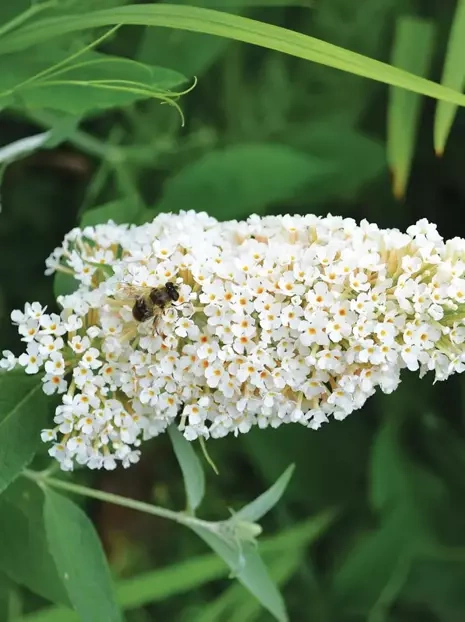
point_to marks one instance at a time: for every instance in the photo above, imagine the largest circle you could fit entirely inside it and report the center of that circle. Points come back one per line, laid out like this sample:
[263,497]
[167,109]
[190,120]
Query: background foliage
[270,134]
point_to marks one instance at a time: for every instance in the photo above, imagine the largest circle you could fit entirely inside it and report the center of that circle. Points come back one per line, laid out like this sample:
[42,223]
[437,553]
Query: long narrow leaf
[191,467]
[233,27]
[412,50]
[263,504]
[453,76]
[181,577]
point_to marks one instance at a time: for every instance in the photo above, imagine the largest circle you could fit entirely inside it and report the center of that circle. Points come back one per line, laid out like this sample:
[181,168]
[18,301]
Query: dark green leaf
[261,505]
[80,560]
[191,467]
[23,410]
[240,179]
[376,557]
[24,554]
[269,451]
[64,284]
[352,158]
[120,212]
[436,580]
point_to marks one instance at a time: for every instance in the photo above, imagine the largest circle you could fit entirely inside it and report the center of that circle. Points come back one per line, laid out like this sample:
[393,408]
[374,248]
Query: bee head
[172,291]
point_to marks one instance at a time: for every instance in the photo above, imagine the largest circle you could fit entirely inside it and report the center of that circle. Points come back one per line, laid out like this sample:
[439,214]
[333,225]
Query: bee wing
[133,291]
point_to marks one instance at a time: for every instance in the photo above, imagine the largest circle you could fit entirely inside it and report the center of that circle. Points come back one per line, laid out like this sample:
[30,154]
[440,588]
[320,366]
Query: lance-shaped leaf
[23,411]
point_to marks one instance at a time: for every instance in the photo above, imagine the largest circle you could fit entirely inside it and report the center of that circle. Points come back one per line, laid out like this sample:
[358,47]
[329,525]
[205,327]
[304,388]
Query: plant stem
[42,479]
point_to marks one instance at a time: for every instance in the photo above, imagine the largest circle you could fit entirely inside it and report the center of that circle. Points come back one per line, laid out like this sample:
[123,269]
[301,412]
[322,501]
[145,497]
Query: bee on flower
[220,326]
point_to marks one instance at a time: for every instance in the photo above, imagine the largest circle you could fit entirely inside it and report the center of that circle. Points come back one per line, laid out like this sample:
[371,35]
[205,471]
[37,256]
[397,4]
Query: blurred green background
[268,134]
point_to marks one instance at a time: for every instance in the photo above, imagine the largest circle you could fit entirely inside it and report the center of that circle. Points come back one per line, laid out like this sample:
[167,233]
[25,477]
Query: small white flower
[31,359]
[8,360]
[73,323]
[52,325]
[49,345]
[54,384]
[79,344]
[55,366]
[90,359]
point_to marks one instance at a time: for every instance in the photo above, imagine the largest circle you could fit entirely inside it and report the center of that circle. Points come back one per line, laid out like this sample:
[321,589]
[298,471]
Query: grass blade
[453,76]
[412,50]
[221,24]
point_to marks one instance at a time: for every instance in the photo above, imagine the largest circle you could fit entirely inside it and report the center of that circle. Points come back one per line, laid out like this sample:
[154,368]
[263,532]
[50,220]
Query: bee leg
[155,326]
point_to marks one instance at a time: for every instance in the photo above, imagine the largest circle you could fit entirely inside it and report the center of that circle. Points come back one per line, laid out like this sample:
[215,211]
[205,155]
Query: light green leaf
[233,27]
[237,605]
[23,410]
[240,179]
[91,81]
[119,211]
[453,76]
[412,50]
[248,567]
[191,467]
[263,504]
[24,554]
[79,559]
[157,585]
[191,53]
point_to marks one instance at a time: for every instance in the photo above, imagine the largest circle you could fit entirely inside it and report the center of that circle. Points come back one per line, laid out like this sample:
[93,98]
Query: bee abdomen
[141,311]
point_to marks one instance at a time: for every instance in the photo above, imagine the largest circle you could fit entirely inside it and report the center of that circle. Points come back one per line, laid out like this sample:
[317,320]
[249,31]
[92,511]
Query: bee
[154,302]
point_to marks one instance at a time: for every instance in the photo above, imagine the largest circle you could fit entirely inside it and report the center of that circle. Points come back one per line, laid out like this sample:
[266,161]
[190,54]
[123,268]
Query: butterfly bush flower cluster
[279,319]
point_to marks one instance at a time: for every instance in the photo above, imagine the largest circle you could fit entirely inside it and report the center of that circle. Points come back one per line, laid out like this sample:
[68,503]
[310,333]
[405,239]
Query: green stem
[42,479]
[20,19]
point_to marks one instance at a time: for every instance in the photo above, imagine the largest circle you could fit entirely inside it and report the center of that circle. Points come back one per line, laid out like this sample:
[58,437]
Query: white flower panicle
[279,319]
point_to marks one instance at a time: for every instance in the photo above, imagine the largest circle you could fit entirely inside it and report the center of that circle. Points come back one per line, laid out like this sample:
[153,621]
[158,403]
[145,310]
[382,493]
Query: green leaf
[79,559]
[353,159]
[157,585]
[191,467]
[240,179]
[263,504]
[119,211]
[64,284]
[436,579]
[23,409]
[188,52]
[269,451]
[193,53]
[233,27]
[237,605]
[376,557]
[24,554]
[397,481]
[412,504]
[453,76]
[92,81]
[412,50]
[250,570]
